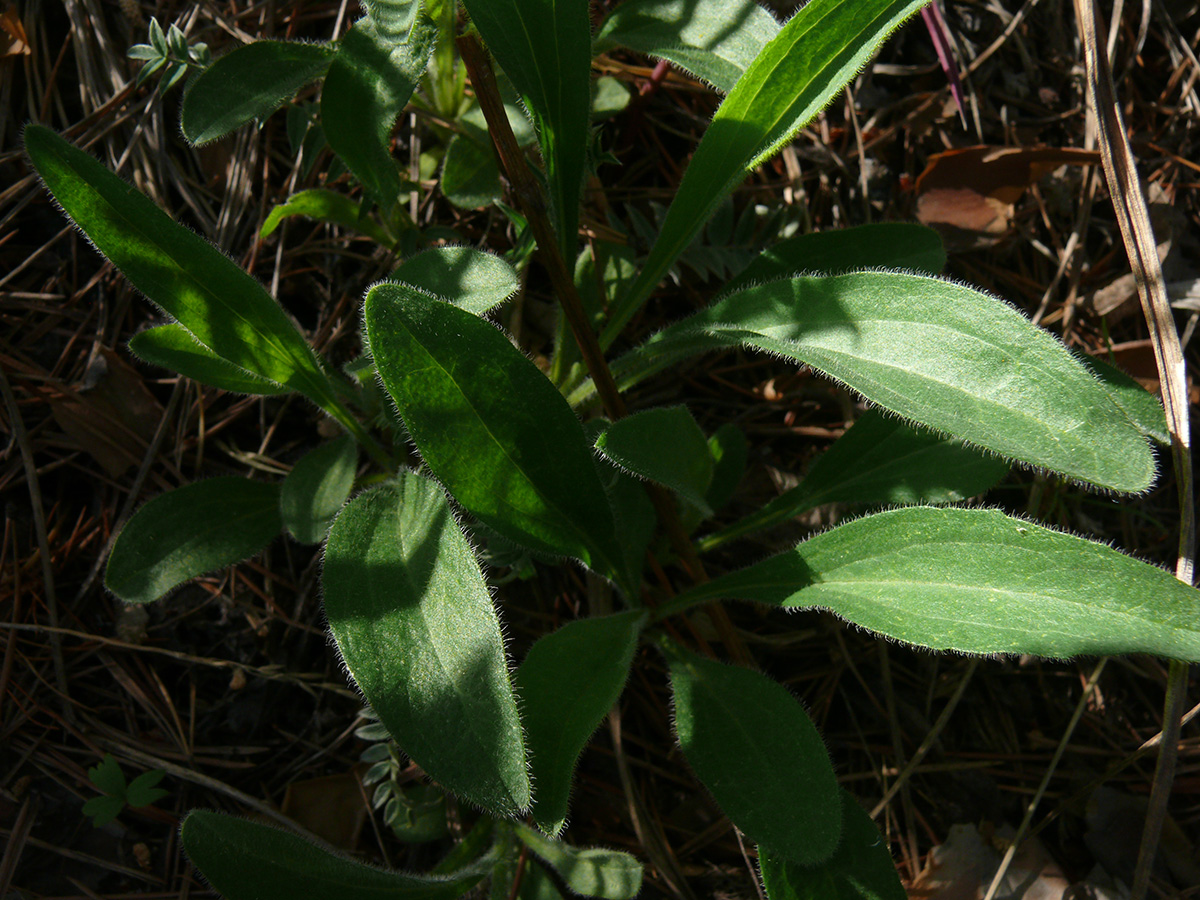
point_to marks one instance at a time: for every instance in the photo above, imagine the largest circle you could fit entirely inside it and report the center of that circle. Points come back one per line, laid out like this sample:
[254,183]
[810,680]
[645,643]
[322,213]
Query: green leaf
[326,206]
[173,347]
[103,809]
[730,451]
[471,279]
[226,309]
[937,353]
[665,445]
[975,581]
[142,791]
[537,885]
[413,619]
[315,490]
[1144,409]
[568,682]
[885,245]
[369,82]
[393,18]
[545,48]
[752,745]
[860,869]
[609,97]
[244,860]
[714,40]
[108,777]
[249,83]
[880,460]
[470,174]
[515,458]
[190,531]
[805,66]
[592,872]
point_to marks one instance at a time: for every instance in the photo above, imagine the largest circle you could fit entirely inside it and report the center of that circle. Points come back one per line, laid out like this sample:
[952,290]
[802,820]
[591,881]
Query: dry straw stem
[1133,218]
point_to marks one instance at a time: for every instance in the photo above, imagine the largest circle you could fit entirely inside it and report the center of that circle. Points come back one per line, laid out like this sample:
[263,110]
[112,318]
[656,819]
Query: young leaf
[1008,387]
[975,581]
[103,810]
[189,531]
[753,746]
[663,444]
[804,67]
[860,869]
[568,682]
[546,51]
[315,490]
[393,18]
[327,206]
[142,791]
[244,860]
[515,458]
[413,619]
[883,245]
[880,460]
[592,872]
[714,40]
[249,83]
[470,279]
[226,309]
[173,347]
[470,174]
[108,777]
[369,82]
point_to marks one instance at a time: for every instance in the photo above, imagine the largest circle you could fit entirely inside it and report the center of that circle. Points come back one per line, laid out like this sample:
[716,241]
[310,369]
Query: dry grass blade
[1134,220]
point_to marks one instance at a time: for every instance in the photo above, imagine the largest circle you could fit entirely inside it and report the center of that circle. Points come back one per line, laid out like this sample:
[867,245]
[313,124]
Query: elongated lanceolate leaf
[976,581]
[884,245]
[411,612]
[471,279]
[589,872]
[326,206]
[753,746]
[414,622]
[190,531]
[1144,409]
[861,869]
[249,83]
[545,48]
[173,347]
[937,353]
[315,490]
[664,445]
[714,40]
[491,427]
[244,860]
[369,82]
[223,307]
[880,460]
[804,67]
[567,684]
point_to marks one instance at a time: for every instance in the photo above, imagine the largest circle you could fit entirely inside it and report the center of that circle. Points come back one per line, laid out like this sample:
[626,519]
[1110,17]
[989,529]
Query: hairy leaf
[804,67]
[975,581]
[753,746]
[590,872]
[173,347]
[860,869]
[369,83]
[1144,409]
[190,531]
[714,40]
[567,684]
[471,279]
[326,206]
[516,458]
[226,309]
[244,860]
[315,490]
[665,445]
[545,48]
[470,174]
[249,83]
[413,619]
[938,353]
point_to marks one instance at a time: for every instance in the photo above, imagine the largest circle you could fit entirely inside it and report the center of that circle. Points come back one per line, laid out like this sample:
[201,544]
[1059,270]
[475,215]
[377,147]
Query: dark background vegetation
[231,686]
